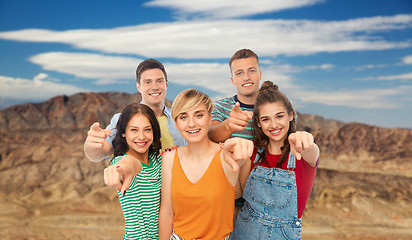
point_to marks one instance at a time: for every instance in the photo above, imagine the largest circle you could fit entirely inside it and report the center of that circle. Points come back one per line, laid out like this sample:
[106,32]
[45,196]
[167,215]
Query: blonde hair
[188,100]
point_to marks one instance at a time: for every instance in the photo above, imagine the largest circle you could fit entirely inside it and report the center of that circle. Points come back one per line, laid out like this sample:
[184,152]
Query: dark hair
[242,54]
[120,146]
[269,93]
[149,64]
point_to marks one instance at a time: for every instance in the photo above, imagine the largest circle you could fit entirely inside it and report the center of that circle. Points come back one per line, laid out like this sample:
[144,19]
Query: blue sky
[347,60]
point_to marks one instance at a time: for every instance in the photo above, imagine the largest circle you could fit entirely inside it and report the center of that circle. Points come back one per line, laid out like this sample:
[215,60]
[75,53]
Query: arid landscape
[49,190]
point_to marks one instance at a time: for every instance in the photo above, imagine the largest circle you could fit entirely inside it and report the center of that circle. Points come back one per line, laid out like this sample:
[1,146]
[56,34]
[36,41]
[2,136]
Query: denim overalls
[271,209]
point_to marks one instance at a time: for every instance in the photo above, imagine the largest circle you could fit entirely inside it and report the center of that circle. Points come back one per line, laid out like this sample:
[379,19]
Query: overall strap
[257,157]
[291,161]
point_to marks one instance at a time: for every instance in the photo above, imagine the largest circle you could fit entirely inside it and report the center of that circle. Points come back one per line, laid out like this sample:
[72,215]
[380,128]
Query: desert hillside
[49,190]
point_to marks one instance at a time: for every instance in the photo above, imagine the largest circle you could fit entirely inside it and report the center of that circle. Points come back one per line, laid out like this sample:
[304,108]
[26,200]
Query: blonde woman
[199,180]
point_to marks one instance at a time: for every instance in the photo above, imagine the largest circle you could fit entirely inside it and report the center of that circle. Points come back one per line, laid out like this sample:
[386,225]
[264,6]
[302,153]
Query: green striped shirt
[221,112]
[141,203]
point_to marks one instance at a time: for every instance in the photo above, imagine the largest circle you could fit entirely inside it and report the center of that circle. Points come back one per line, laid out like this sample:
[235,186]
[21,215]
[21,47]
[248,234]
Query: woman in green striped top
[136,168]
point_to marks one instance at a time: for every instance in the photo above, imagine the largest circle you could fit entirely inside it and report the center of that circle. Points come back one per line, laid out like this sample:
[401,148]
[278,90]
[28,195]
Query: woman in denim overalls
[272,209]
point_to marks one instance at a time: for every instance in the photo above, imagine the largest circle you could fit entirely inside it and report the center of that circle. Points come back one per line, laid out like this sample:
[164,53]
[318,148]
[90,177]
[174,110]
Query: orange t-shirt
[203,210]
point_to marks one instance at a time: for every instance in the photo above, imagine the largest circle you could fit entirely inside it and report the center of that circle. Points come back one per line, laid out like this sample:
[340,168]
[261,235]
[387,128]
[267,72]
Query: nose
[245,76]
[140,135]
[191,121]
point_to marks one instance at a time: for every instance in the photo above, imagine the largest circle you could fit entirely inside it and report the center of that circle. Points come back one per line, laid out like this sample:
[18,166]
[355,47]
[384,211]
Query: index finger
[95,126]
[236,108]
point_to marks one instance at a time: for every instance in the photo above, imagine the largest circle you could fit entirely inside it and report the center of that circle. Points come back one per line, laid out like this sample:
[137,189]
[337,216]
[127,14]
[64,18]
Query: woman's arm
[303,146]
[120,174]
[166,213]
[235,153]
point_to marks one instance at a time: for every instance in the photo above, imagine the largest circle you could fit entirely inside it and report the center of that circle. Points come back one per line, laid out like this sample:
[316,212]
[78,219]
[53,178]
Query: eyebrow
[138,127]
[275,114]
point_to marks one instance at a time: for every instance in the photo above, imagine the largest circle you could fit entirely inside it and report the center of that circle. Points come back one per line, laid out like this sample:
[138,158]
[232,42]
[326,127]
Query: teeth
[247,84]
[275,131]
[141,144]
[194,131]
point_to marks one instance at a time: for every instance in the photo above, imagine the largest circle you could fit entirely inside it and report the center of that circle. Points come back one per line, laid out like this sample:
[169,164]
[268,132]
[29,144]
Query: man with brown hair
[232,116]
[152,83]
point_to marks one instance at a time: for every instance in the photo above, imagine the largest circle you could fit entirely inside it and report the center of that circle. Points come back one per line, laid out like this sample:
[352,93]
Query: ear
[138,87]
[123,135]
[258,123]
[167,84]
[290,117]
[233,81]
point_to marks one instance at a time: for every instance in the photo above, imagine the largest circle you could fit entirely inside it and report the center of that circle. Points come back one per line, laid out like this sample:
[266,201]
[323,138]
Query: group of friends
[178,171]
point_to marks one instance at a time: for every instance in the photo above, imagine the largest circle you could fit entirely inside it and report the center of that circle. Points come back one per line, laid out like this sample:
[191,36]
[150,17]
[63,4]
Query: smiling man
[152,83]
[232,116]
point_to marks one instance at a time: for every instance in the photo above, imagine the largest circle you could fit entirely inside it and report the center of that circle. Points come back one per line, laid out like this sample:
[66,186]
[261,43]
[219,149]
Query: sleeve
[112,127]
[217,114]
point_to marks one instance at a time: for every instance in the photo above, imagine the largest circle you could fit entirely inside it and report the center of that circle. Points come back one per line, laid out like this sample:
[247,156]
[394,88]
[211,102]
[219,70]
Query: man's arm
[96,148]
[237,121]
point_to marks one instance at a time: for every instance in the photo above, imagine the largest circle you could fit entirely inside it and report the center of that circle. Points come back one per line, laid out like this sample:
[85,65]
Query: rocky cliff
[49,190]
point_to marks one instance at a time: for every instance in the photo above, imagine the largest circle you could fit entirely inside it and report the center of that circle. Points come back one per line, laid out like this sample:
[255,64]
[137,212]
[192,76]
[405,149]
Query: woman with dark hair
[136,167]
[278,186]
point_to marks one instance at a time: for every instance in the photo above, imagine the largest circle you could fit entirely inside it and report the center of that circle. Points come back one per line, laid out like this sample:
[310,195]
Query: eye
[148,130]
[264,120]
[252,70]
[183,117]
[160,81]
[280,116]
[199,115]
[238,73]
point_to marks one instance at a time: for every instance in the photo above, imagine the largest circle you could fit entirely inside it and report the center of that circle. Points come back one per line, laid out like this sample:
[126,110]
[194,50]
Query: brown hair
[149,64]
[269,93]
[242,54]
[188,100]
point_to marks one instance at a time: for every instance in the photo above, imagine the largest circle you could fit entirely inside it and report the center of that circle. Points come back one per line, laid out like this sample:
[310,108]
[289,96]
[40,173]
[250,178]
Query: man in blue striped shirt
[232,116]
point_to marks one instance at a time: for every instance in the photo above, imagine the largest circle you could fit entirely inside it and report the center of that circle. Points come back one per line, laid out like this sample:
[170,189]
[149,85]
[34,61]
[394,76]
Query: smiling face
[193,125]
[246,77]
[138,135]
[153,87]
[274,121]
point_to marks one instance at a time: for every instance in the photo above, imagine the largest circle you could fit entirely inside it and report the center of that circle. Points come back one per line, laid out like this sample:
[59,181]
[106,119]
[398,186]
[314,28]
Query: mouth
[275,131]
[192,132]
[248,84]
[155,94]
[140,144]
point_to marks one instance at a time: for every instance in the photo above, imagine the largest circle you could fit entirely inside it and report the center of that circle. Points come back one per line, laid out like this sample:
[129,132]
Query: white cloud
[370,66]
[321,67]
[228,8]
[111,69]
[212,39]
[38,88]
[406,76]
[361,98]
[407,60]
[106,69]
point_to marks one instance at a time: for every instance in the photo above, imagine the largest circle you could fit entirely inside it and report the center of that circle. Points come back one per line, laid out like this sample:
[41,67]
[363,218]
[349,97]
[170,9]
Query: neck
[157,108]
[247,99]
[274,147]
[142,157]
[199,150]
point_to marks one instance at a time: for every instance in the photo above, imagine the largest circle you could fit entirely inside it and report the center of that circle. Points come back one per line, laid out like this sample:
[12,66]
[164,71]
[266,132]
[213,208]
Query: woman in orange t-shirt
[199,180]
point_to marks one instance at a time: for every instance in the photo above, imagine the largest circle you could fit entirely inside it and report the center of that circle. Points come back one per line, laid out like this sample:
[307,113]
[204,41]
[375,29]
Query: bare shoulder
[167,158]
